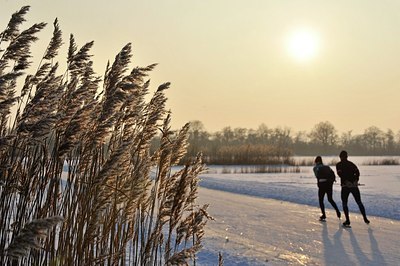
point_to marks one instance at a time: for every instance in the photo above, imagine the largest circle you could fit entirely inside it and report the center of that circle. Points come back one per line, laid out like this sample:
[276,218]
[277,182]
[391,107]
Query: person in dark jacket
[349,176]
[325,177]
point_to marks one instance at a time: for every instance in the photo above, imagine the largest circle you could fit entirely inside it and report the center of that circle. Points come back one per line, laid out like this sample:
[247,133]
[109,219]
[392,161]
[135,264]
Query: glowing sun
[303,44]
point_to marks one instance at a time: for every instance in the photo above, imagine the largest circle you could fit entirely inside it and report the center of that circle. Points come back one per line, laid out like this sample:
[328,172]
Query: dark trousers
[357,197]
[326,188]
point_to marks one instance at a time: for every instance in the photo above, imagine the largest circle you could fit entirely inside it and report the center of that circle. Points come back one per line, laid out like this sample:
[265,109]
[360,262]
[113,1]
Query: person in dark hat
[326,178]
[349,176]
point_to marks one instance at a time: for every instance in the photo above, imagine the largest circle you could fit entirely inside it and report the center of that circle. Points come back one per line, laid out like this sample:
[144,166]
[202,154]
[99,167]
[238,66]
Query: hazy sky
[228,61]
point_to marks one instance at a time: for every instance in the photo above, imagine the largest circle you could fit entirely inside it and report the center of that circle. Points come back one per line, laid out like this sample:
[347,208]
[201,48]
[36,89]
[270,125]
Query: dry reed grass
[75,153]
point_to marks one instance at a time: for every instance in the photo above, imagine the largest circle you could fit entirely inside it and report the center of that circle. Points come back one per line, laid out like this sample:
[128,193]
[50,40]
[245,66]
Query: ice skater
[349,176]
[326,178]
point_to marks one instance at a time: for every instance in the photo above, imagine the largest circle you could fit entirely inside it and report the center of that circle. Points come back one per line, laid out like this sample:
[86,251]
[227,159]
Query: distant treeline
[266,145]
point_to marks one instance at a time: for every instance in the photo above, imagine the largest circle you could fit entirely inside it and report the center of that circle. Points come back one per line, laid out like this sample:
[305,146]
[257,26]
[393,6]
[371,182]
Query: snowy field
[272,219]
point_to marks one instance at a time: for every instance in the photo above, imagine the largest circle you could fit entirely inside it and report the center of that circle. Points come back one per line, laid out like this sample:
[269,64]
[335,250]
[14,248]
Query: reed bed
[76,180]
[260,169]
[383,161]
[311,162]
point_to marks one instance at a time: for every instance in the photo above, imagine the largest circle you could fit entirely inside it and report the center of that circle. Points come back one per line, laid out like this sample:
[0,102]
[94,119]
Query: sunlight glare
[303,44]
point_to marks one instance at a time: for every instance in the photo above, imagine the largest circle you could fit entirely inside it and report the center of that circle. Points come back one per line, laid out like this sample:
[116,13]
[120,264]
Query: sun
[303,44]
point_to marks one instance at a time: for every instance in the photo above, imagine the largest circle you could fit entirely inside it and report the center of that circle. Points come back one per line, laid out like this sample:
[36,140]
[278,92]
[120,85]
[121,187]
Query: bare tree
[325,134]
[374,138]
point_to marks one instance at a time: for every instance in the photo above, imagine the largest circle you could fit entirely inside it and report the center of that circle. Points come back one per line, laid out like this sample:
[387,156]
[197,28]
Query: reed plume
[30,236]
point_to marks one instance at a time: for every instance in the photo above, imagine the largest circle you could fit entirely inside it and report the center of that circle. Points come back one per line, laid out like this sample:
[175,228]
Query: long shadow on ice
[334,252]
[341,255]
[377,258]
[361,257]
[376,253]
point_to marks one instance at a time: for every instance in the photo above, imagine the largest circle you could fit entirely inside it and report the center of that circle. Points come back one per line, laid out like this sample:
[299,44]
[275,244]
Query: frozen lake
[272,218]
[380,191]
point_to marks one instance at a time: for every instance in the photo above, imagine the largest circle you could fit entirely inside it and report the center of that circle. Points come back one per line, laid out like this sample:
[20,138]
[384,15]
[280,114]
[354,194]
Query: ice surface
[272,219]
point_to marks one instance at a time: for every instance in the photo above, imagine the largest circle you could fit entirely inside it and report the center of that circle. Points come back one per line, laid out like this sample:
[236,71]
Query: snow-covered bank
[256,231]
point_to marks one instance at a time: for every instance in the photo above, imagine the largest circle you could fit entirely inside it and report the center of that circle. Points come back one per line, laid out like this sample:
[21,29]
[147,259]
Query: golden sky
[229,61]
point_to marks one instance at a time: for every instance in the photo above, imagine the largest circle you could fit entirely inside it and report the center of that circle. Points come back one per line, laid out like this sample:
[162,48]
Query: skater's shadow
[334,252]
[361,258]
[377,258]
[376,253]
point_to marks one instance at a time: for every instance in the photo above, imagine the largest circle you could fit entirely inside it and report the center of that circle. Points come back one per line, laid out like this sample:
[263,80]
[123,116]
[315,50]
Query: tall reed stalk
[78,184]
